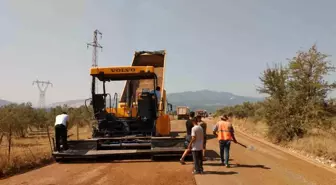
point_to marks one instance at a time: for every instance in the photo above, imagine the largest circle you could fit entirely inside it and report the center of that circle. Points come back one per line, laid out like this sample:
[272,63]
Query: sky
[221,45]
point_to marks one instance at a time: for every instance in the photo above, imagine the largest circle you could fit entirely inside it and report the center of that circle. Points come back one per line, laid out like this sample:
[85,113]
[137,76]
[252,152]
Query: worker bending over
[189,126]
[61,124]
[225,136]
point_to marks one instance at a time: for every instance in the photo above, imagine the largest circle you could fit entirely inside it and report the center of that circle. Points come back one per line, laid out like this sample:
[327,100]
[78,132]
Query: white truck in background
[183,112]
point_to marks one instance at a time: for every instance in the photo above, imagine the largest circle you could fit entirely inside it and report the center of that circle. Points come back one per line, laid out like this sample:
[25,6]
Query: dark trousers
[224,150]
[187,141]
[61,133]
[198,160]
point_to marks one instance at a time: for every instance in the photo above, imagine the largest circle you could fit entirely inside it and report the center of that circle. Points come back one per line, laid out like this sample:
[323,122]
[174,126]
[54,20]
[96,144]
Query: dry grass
[318,145]
[25,153]
[31,152]
[318,142]
[258,129]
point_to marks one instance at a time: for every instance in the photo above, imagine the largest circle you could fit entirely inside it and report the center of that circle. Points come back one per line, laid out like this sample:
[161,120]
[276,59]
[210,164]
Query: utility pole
[95,45]
[43,86]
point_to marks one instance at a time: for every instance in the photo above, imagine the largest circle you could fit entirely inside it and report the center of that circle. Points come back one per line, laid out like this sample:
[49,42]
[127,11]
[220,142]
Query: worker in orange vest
[224,132]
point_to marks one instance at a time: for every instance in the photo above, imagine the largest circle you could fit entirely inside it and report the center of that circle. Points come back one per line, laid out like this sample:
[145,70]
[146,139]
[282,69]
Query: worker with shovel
[225,136]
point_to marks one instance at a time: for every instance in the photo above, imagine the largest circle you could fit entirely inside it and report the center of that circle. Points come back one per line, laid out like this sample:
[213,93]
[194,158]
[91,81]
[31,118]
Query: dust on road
[264,165]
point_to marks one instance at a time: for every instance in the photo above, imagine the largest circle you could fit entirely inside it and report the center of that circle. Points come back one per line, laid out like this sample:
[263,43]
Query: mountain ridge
[208,99]
[4,102]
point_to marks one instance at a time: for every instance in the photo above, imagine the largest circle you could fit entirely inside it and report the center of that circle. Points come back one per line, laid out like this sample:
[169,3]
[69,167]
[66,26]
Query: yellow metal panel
[122,112]
[121,70]
[163,125]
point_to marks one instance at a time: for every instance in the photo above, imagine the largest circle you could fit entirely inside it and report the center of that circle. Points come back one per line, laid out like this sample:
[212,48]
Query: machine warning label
[122,70]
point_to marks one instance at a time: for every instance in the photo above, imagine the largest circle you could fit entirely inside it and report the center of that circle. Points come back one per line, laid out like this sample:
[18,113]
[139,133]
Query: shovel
[248,147]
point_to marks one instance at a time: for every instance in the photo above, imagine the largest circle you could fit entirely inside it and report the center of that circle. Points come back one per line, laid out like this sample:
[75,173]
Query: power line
[95,45]
[42,86]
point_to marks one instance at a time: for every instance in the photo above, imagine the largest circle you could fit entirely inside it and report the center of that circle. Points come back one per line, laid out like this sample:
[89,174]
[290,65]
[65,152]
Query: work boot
[195,172]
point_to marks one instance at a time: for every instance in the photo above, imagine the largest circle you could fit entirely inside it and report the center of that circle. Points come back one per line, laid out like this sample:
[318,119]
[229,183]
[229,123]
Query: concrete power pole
[95,45]
[43,86]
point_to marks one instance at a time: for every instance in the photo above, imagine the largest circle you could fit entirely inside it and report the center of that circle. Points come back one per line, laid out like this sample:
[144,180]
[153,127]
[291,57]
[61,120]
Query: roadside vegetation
[26,134]
[296,112]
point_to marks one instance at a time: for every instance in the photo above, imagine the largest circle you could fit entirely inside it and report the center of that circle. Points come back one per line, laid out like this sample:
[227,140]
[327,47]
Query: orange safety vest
[224,131]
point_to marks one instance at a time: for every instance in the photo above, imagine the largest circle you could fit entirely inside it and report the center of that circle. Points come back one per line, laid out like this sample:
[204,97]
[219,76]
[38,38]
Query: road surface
[263,165]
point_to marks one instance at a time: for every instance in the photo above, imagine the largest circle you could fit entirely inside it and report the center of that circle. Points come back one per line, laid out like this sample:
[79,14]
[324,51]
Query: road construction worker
[204,127]
[158,93]
[189,126]
[225,136]
[196,147]
[61,124]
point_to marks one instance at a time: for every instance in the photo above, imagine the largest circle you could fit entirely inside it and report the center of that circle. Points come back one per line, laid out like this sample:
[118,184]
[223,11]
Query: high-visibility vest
[224,131]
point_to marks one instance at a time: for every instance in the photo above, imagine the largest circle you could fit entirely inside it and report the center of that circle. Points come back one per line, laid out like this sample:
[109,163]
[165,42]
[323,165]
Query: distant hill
[208,100]
[4,102]
[203,99]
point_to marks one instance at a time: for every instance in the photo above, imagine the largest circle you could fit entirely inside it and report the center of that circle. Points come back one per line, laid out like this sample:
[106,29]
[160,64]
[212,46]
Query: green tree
[307,72]
[296,95]
[296,99]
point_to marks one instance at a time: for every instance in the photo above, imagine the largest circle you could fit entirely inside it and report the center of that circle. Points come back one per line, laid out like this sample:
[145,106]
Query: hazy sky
[219,45]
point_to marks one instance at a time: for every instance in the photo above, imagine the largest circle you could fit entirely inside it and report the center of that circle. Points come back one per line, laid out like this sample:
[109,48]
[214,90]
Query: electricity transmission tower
[43,86]
[95,45]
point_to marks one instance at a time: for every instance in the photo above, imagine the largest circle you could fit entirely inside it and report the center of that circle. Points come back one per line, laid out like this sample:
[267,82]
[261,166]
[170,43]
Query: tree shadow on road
[219,173]
[249,166]
[239,165]
[89,161]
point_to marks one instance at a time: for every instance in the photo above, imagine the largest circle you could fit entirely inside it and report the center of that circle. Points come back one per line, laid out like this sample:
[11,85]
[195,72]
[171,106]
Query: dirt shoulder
[295,154]
[317,146]
[258,130]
